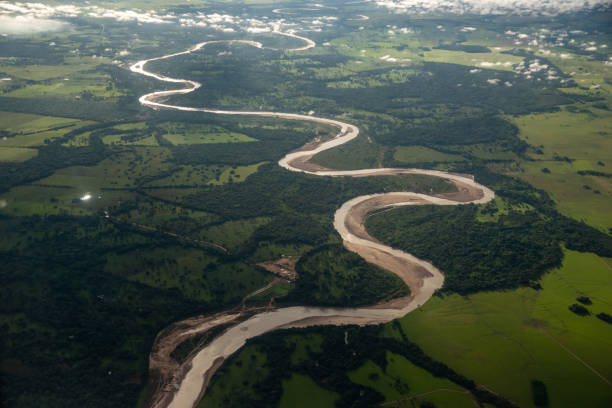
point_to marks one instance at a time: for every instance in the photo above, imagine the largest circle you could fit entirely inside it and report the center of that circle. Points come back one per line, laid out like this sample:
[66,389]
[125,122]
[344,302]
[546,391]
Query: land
[121,223]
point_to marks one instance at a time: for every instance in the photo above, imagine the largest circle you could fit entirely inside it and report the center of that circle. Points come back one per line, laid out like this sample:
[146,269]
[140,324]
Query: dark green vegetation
[183,206]
[605,317]
[331,276]
[514,250]
[540,396]
[326,356]
[579,310]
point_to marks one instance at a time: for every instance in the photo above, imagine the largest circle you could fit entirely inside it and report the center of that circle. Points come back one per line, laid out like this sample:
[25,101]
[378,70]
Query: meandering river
[348,221]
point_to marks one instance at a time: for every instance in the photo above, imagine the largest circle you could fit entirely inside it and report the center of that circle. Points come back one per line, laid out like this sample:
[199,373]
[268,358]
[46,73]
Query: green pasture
[503,340]
[267,251]
[501,206]
[300,391]
[404,383]
[23,123]
[232,234]
[236,174]
[16,154]
[174,194]
[359,153]
[67,87]
[407,49]
[189,175]
[584,139]
[186,133]
[421,154]
[131,126]
[589,74]
[117,140]
[199,175]
[33,130]
[122,170]
[486,151]
[158,212]
[490,60]
[79,140]
[44,72]
[41,199]
[34,139]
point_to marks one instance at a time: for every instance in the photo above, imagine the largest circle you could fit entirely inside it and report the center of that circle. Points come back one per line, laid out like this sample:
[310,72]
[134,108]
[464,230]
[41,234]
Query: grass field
[40,199]
[232,234]
[490,60]
[44,72]
[585,139]
[504,340]
[116,140]
[396,49]
[95,86]
[16,154]
[295,388]
[502,207]
[119,171]
[78,140]
[193,176]
[359,153]
[183,133]
[32,130]
[406,383]
[421,154]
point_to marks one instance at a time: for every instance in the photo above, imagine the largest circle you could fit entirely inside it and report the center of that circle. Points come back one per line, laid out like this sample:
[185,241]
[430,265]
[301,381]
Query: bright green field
[78,140]
[43,72]
[584,138]
[116,140]
[119,171]
[298,386]
[420,154]
[182,133]
[16,154]
[233,234]
[30,199]
[27,122]
[504,340]
[33,130]
[70,87]
[189,175]
[403,381]
[489,60]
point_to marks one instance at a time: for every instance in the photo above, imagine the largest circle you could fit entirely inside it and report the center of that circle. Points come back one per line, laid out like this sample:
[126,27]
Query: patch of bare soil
[283,268]
[303,163]
[165,373]
[464,193]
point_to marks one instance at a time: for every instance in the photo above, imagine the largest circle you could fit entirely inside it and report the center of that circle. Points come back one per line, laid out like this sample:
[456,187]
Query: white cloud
[488,6]
[29,25]
[36,17]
